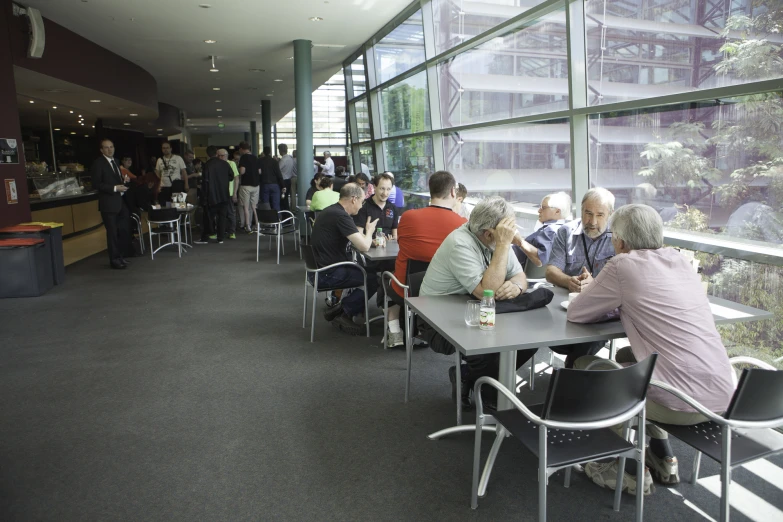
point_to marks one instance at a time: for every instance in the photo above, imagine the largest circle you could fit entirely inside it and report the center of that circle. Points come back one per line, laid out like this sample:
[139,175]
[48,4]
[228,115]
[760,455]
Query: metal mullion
[517,22]
[577,98]
[421,134]
[380,158]
[374,108]
[732,91]
[348,82]
[369,68]
[353,125]
[404,76]
[533,118]
[428,25]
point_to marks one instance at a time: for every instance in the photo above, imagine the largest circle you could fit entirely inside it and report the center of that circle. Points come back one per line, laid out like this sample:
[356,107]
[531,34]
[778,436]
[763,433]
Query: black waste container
[25,267]
[53,238]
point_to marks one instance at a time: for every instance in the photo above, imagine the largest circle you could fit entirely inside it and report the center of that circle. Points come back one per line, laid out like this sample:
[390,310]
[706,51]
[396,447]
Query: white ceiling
[166,38]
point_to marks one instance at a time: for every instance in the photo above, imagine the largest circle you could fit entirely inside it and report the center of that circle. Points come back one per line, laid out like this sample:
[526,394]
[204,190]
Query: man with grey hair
[580,250]
[553,212]
[473,258]
[233,188]
[664,310]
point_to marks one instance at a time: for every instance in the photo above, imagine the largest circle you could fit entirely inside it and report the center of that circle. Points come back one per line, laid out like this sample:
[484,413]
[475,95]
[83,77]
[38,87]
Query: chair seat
[566,447]
[746,445]
[323,288]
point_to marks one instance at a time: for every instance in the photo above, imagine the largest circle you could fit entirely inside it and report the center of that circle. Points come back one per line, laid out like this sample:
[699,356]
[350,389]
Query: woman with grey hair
[553,212]
[664,310]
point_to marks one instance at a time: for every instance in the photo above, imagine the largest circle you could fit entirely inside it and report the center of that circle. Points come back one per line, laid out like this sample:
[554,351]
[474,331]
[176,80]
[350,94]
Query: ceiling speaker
[37,33]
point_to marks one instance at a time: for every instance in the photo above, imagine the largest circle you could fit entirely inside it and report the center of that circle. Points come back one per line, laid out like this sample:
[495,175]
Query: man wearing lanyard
[580,250]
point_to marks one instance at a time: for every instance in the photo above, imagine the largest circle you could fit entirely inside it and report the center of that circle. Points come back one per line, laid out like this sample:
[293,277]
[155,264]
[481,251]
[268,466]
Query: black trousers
[575,351]
[117,232]
[284,197]
[208,213]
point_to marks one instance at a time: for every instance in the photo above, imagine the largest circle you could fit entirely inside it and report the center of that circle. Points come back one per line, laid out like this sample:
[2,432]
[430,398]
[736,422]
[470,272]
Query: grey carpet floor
[187,389]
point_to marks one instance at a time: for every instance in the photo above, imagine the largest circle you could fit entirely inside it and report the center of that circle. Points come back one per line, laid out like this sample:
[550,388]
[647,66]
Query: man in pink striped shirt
[664,310]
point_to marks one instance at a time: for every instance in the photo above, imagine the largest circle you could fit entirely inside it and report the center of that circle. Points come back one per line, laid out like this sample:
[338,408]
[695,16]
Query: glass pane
[405,108]
[515,75]
[460,20]
[362,120]
[411,161]
[638,50]
[358,77]
[521,163]
[715,168]
[400,50]
[367,159]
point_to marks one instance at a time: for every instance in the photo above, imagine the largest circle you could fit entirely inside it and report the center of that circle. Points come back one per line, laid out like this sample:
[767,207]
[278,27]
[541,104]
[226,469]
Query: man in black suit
[106,178]
[215,196]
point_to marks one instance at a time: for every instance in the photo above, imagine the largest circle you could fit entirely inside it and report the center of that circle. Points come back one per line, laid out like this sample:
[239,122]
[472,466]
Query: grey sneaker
[664,470]
[605,475]
[347,325]
[394,339]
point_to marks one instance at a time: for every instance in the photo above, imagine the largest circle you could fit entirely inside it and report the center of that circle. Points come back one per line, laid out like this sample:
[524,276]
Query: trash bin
[58,259]
[51,233]
[25,267]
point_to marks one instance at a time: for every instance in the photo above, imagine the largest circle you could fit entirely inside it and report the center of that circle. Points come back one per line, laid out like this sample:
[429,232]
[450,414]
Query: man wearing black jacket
[106,178]
[214,193]
[272,186]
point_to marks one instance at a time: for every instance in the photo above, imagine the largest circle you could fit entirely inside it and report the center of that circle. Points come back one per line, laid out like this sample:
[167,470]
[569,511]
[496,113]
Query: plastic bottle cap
[489,293]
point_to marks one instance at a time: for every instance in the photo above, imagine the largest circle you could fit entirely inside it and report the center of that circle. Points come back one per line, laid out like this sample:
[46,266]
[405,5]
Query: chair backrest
[268,217]
[534,272]
[595,395]
[309,257]
[415,266]
[414,282]
[758,398]
[162,214]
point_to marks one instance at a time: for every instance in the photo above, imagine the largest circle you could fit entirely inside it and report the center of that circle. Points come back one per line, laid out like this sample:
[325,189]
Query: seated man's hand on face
[505,231]
[507,290]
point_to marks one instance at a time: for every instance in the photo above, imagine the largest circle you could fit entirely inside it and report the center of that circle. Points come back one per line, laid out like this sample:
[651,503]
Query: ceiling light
[95,101]
[159,130]
[86,135]
[133,114]
[213,69]
[257,70]
[210,41]
[220,116]
[217,101]
[73,133]
[82,124]
[278,80]
[56,129]
[205,6]
[80,115]
[93,126]
[270,94]
[290,57]
[54,106]
[219,110]
[126,123]
[71,112]
[31,101]
[215,88]
[316,19]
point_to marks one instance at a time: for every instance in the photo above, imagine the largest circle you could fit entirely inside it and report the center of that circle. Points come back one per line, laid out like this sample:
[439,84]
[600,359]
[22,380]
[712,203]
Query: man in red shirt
[420,234]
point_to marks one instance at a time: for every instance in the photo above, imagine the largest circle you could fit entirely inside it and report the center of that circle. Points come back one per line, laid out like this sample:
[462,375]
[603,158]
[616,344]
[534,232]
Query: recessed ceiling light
[93,126]
[31,101]
[73,133]
[56,129]
[80,115]
[270,94]
[205,6]
[316,19]
[217,101]
[219,110]
[220,116]
[86,135]
[215,88]
[257,70]
[290,57]
[133,114]
[159,130]
[278,80]
[71,112]
[95,101]
[126,123]
[82,124]
[54,106]
[210,41]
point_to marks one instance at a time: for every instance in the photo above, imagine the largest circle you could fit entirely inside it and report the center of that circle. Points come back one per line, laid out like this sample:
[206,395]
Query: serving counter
[83,232]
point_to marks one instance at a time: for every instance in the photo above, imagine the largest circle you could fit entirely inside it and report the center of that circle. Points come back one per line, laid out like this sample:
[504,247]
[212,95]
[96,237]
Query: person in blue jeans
[272,185]
[333,232]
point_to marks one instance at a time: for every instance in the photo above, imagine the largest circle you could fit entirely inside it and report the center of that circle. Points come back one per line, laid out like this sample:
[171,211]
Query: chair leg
[542,477]
[278,247]
[500,434]
[179,242]
[476,463]
[696,465]
[385,320]
[408,352]
[258,245]
[641,442]
[304,311]
[725,474]
[532,383]
[366,309]
[152,246]
[618,490]
[567,481]
[315,297]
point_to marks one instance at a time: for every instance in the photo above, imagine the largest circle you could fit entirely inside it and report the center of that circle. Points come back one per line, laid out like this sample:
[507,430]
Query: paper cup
[572,296]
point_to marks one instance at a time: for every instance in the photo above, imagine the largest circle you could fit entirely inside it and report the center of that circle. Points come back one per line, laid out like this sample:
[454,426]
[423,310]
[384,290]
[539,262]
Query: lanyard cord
[587,252]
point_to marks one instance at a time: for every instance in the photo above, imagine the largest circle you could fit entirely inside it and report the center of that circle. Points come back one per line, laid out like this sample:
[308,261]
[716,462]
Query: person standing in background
[106,177]
[287,168]
[171,172]
[272,187]
[217,176]
[250,174]
[328,164]
[233,188]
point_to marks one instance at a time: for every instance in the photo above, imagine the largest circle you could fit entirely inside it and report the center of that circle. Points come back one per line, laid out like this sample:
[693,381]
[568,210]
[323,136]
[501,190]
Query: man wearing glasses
[333,231]
[554,211]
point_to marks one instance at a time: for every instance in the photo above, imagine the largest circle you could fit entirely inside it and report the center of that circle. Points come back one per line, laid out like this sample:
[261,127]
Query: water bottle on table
[487,311]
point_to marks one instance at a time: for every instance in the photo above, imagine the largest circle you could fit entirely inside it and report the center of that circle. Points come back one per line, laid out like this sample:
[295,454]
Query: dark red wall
[9,127]
[69,57]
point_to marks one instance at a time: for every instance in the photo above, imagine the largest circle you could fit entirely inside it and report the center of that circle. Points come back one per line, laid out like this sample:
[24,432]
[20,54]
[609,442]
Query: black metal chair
[276,224]
[744,433]
[167,224]
[136,220]
[572,427]
[311,267]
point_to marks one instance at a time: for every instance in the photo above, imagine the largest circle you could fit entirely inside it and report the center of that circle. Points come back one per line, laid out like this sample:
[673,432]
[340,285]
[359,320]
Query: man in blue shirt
[554,211]
[580,250]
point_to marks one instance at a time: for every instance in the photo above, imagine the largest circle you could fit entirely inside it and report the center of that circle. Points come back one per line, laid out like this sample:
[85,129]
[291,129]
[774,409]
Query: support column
[254,139]
[18,211]
[266,123]
[303,95]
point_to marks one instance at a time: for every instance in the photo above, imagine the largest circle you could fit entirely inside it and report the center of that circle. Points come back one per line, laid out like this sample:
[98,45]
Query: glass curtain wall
[674,103]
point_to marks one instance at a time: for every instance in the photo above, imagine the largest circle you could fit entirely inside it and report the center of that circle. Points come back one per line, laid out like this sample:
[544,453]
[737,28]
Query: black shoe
[330,314]
[117,265]
[124,262]
[201,241]
[467,404]
[346,324]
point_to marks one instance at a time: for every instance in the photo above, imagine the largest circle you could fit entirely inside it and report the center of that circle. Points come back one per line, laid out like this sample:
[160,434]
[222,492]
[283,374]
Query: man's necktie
[115,169]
